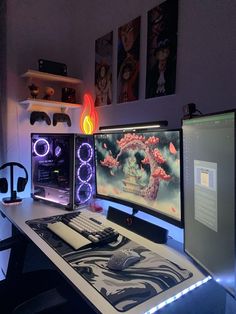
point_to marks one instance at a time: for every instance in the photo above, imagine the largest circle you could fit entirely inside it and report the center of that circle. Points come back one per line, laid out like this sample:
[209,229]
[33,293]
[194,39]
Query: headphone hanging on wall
[21,183]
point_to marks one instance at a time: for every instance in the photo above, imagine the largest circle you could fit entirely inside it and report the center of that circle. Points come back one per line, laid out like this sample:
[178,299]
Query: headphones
[21,182]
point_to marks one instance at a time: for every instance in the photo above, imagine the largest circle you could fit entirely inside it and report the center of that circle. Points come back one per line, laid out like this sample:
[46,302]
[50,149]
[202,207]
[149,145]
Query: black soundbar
[142,227]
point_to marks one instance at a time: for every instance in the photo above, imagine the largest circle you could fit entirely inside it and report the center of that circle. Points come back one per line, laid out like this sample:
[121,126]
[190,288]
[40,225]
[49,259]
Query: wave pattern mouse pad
[124,289]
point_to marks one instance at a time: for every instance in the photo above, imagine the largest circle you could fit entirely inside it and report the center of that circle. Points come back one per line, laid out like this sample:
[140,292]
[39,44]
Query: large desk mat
[124,289]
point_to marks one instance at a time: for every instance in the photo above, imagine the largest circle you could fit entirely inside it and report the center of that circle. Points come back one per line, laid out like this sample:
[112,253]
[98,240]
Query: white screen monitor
[209,194]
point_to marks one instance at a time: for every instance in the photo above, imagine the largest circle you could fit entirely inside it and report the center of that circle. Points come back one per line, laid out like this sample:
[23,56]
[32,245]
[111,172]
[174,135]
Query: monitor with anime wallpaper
[141,169]
[209,194]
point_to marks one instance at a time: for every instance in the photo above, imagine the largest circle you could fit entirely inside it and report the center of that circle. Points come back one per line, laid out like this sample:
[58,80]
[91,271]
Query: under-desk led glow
[177,296]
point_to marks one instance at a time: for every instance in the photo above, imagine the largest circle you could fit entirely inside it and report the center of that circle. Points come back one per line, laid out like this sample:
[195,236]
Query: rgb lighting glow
[44,142]
[89,116]
[58,151]
[177,296]
[84,192]
[85,147]
[84,172]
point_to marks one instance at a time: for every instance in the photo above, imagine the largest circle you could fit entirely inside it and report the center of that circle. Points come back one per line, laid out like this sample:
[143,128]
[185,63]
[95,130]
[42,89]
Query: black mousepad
[124,289]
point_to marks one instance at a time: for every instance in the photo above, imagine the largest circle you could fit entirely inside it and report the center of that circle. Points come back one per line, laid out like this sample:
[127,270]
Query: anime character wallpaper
[162,49]
[128,61]
[103,70]
[142,168]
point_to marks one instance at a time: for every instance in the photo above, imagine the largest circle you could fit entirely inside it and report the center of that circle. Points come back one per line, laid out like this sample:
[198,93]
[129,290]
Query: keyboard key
[90,228]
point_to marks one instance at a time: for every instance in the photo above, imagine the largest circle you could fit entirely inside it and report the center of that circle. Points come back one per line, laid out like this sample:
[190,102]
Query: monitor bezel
[138,207]
[205,115]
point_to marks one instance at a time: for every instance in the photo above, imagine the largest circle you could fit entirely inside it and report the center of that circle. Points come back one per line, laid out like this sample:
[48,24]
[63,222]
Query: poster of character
[128,61]
[103,70]
[162,49]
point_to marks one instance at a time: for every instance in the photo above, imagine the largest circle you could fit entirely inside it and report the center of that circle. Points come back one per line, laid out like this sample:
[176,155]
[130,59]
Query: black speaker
[21,182]
[53,67]
[142,227]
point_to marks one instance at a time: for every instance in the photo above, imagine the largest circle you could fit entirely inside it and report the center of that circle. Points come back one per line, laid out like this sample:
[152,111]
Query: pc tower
[62,168]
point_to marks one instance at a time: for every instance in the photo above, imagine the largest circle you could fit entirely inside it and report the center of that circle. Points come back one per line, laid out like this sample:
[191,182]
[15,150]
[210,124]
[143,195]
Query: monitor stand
[142,227]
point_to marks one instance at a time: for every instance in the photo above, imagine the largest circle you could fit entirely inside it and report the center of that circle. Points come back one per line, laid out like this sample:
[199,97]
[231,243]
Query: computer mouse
[123,259]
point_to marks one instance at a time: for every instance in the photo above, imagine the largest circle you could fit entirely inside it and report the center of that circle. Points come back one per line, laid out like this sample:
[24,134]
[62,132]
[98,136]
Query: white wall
[35,29]
[206,64]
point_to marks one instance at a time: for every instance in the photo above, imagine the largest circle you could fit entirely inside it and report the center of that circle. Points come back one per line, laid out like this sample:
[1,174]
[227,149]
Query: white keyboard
[79,230]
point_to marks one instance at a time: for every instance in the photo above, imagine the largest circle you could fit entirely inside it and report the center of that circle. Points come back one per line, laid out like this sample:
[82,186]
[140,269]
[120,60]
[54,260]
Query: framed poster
[128,61]
[103,70]
[162,49]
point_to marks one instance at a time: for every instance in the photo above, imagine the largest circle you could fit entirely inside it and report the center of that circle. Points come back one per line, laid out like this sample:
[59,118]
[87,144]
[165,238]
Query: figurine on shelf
[34,90]
[49,91]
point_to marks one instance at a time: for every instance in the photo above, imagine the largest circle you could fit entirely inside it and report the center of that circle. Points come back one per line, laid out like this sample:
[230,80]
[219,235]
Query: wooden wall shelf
[47,105]
[50,77]
[37,104]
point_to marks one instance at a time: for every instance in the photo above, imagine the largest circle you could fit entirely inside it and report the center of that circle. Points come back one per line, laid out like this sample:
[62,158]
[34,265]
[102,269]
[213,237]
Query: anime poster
[162,49]
[103,70]
[128,61]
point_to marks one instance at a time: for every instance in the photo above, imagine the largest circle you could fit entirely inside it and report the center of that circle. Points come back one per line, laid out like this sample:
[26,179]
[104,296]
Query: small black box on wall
[52,67]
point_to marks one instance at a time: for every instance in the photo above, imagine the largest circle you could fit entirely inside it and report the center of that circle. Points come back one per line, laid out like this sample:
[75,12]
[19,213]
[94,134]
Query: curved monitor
[142,170]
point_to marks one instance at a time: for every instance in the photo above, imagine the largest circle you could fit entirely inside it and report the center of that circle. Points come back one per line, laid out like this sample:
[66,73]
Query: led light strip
[131,128]
[52,199]
[177,296]
[135,126]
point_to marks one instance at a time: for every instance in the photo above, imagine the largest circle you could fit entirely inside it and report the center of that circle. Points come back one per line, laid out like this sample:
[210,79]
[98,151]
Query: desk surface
[30,209]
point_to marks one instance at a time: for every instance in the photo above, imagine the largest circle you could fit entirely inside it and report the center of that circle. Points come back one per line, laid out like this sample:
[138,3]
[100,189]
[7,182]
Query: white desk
[30,209]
